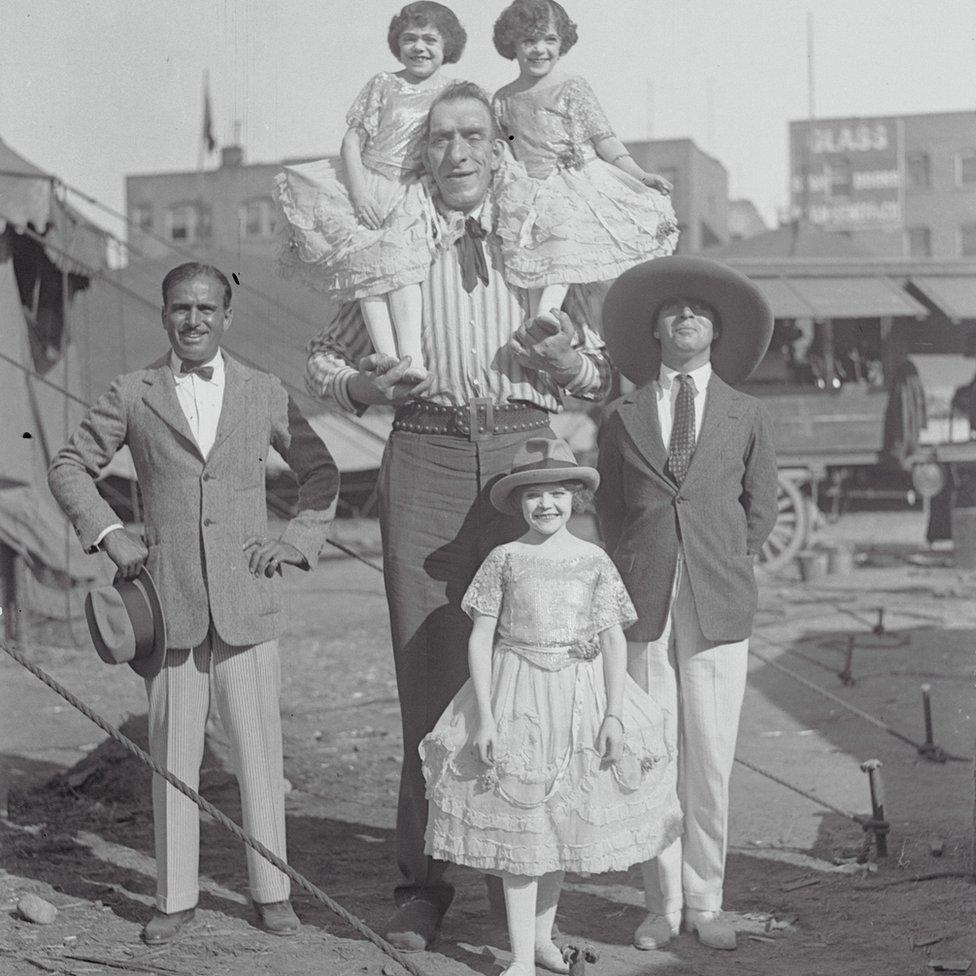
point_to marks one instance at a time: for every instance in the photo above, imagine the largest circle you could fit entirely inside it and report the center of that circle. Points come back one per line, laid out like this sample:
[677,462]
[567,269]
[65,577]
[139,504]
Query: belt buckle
[475,404]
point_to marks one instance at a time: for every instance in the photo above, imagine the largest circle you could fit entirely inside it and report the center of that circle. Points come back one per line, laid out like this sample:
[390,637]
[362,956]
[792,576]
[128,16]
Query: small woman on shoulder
[361,231]
[550,758]
[586,211]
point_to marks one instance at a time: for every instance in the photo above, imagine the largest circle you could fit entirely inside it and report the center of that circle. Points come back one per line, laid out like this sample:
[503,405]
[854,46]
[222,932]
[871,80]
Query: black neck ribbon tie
[474,265]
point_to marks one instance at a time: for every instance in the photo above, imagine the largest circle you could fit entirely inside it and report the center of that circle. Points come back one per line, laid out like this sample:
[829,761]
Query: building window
[918,169]
[187,223]
[967,240]
[966,168]
[142,217]
[257,218]
[919,242]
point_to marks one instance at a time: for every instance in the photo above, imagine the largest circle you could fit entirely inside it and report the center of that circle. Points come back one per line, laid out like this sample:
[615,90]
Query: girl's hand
[486,741]
[366,211]
[656,182]
[610,739]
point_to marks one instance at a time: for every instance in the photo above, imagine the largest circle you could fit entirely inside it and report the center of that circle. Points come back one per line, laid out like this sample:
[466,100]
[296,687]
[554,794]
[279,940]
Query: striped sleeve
[332,354]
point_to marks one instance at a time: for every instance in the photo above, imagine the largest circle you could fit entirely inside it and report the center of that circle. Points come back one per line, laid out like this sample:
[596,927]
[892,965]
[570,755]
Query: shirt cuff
[339,388]
[585,379]
[101,535]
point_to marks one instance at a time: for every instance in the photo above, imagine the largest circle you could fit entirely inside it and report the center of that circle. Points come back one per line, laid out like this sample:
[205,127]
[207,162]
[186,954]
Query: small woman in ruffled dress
[585,212]
[550,758]
[362,232]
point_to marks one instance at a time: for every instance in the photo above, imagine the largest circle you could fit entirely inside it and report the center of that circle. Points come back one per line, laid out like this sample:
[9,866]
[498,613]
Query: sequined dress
[327,247]
[574,218]
[550,802]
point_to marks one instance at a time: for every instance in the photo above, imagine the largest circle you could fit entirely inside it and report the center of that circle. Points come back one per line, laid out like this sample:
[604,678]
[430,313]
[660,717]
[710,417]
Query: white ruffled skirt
[550,802]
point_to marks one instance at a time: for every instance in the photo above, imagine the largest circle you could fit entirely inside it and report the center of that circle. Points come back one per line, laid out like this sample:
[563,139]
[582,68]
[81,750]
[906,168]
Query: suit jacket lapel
[160,397]
[721,407]
[236,379]
[638,413]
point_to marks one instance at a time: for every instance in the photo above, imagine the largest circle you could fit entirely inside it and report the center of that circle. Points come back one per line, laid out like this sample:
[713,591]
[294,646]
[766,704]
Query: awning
[838,298]
[953,294]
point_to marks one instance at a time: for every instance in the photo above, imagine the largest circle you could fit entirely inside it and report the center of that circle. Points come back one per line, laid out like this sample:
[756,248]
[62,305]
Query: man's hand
[268,555]
[547,345]
[127,551]
[385,380]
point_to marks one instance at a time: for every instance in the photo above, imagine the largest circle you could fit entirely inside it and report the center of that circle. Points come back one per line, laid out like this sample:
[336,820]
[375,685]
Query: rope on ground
[857,818]
[360,926]
[807,683]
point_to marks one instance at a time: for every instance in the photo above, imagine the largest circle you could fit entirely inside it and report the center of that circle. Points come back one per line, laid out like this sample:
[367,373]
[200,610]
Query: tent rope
[358,924]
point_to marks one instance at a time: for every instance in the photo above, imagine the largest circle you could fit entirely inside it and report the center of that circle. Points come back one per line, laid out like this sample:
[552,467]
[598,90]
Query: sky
[92,90]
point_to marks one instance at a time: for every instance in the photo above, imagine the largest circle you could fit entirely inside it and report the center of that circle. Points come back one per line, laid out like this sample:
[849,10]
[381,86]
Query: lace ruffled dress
[327,247]
[550,802]
[574,218]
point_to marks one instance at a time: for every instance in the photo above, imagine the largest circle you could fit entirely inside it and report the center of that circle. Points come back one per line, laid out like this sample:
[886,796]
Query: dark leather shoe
[277,917]
[413,925]
[164,928]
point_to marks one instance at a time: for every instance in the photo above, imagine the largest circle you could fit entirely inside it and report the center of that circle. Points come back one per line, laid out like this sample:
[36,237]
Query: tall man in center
[492,380]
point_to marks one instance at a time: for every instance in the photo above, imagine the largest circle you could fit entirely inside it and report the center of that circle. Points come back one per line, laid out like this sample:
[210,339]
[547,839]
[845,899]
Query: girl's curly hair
[426,13]
[531,18]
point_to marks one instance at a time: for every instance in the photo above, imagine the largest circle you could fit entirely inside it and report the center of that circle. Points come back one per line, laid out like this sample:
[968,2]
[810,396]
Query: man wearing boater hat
[199,425]
[686,500]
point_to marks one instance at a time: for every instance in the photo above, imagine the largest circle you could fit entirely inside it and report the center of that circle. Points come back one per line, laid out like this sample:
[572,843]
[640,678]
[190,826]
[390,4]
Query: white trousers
[245,683]
[703,684]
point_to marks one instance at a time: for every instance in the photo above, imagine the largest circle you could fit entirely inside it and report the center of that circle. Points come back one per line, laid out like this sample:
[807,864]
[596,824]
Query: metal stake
[878,824]
[929,749]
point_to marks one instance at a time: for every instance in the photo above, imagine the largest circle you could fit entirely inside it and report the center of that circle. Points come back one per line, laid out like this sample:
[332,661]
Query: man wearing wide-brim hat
[686,500]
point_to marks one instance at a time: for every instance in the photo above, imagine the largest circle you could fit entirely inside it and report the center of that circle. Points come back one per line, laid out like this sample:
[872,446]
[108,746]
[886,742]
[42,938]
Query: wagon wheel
[790,531]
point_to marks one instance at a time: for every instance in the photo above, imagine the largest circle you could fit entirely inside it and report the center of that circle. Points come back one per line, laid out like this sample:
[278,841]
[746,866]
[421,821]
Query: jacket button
[207,476]
[680,499]
[208,521]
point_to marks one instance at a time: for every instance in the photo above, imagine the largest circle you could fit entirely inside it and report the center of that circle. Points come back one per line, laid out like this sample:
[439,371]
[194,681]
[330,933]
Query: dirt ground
[807,898]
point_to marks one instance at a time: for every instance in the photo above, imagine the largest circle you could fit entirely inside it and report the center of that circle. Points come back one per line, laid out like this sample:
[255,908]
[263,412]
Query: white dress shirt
[667,388]
[200,399]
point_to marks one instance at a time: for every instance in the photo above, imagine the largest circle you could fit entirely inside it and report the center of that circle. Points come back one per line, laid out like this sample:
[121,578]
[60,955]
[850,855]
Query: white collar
[699,377]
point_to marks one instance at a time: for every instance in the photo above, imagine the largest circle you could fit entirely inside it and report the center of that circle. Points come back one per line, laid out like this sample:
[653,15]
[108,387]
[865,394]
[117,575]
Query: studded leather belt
[478,419]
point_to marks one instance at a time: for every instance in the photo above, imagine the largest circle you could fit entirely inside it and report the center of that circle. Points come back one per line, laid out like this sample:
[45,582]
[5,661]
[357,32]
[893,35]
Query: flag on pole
[208,137]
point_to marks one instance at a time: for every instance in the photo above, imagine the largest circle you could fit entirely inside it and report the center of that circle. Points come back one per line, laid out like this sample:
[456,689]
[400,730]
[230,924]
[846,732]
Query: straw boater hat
[127,625]
[745,320]
[540,460]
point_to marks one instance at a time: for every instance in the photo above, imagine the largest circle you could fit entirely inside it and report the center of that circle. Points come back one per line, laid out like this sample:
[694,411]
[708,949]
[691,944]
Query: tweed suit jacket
[718,518]
[199,511]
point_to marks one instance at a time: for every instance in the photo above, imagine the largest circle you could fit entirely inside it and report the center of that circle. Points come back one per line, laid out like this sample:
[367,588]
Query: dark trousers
[437,526]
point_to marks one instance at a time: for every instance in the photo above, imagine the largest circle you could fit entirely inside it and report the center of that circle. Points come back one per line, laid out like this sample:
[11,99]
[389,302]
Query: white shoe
[712,928]
[549,956]
[657,930]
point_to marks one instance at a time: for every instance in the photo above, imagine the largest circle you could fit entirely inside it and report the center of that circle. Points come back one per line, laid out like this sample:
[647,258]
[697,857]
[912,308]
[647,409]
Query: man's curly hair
[531,18]
[426,13]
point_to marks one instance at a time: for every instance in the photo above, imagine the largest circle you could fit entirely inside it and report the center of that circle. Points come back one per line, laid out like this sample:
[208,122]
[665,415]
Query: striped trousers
[244,683]
[702,685]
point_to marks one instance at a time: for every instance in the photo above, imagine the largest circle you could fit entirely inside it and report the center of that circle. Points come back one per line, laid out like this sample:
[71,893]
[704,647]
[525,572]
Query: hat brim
[501,490]
[745,318]
[152,663]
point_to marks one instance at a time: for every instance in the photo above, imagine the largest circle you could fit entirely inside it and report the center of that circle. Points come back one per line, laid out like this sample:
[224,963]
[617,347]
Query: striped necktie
[682,444]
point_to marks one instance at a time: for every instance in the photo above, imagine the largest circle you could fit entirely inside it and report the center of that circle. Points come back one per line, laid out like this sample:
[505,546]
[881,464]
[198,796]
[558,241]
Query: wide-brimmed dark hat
[127,625]
[540,460]
[631,305]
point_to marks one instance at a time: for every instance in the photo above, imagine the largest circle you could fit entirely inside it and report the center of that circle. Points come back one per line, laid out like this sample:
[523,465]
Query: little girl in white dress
[550,758]
[585,211]
[362,231]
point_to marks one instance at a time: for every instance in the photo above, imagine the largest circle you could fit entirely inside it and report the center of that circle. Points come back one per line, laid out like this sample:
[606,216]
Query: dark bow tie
[474,266]
[204,372]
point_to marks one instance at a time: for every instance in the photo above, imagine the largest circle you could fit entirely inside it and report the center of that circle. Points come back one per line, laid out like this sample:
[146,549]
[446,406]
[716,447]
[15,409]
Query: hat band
[545,464]
[140,614]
